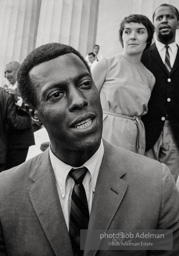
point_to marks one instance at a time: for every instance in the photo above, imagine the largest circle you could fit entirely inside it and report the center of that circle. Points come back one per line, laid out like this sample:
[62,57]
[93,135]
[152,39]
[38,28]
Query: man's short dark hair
[167,5]
[138,18]
[39,55]
[96,45]
[91,53]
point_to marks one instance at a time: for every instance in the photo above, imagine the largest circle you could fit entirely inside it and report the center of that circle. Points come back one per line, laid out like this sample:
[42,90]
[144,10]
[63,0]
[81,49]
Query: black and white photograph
[89,127]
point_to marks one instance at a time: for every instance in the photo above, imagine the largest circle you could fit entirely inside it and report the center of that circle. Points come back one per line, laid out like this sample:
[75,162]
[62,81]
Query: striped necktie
[79,214]
[167,59]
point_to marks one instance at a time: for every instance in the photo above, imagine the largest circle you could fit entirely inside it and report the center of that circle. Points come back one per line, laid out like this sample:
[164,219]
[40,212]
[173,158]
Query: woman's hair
[138,18]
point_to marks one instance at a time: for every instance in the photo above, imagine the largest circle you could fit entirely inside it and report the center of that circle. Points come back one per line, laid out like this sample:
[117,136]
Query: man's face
[10,73]
[165,22]
[91,58]
[68,104]
[96,49]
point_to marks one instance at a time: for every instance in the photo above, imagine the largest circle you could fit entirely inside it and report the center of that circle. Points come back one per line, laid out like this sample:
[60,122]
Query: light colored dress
[124,97]
[177,183]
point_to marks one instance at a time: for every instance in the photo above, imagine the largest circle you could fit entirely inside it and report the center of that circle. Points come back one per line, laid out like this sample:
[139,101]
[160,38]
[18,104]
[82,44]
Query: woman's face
[134,38]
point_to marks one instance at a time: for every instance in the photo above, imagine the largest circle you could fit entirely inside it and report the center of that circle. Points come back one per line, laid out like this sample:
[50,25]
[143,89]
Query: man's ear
[33,114]
[178,25]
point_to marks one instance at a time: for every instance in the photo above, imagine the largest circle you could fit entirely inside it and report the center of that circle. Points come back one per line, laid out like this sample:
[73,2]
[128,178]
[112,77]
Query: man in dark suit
[18,141]
[162,120]
[80,181]
[9,118]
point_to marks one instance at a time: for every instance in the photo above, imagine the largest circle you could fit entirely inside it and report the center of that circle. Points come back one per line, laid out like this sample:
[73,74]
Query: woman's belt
[140,140]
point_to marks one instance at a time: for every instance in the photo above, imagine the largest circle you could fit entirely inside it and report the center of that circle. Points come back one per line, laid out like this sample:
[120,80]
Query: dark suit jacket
[132,192]
[23,138]
[166,87]
[9,118]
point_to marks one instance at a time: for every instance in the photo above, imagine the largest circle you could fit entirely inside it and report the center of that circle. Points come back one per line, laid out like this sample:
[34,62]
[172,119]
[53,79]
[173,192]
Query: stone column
[18,30]
[72,22]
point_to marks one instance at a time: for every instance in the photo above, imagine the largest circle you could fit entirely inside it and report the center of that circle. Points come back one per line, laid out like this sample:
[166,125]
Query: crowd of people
[139,92]
[15,123]
[112,164]
[94,57]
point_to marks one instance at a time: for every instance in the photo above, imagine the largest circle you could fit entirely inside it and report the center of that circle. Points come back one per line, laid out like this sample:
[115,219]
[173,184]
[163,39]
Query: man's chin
[90,145]
[165,36]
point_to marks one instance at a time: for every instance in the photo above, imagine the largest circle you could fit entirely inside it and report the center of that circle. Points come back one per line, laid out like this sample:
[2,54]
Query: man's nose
[164,19]
[77,99]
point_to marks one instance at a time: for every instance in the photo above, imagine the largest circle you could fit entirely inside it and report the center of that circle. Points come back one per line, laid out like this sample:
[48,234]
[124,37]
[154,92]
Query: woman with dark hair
[125,86]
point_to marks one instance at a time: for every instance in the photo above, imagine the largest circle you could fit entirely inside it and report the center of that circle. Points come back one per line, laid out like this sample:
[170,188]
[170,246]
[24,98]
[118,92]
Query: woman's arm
[99,73]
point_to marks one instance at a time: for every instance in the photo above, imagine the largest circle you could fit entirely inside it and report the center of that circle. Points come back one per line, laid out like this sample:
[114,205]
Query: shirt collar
[12,86]
[62,169]
[160,46]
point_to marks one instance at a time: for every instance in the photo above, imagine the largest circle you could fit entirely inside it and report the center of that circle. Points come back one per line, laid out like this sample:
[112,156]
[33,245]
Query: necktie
[167,59]
[79,214]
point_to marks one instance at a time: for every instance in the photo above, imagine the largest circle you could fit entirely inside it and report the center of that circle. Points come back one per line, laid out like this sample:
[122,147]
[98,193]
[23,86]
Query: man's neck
[166,42]
[74,158]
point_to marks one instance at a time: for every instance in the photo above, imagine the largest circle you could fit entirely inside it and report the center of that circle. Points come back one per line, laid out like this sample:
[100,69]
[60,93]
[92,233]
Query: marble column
[18,30]
[26,24]
[72,22]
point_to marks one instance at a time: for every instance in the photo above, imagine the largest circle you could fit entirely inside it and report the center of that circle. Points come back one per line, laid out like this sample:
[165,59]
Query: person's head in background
[10,72]
[56,84]
[96,49]
[91,57]
[135,34]
[166,22]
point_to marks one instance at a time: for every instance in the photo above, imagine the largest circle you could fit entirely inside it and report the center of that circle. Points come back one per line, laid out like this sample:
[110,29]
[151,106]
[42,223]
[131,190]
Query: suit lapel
[156,56]
[109,193]
[44,197]
[176,63]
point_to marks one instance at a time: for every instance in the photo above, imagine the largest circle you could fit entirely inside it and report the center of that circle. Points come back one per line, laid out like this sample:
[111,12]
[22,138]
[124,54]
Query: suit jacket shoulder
[132,192]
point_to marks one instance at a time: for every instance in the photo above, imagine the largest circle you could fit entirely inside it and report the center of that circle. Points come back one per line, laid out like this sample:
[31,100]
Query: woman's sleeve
[99,72]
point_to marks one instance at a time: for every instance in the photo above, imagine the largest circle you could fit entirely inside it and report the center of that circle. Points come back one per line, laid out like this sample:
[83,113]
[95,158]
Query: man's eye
[56,95]
[170,17]
[86,84]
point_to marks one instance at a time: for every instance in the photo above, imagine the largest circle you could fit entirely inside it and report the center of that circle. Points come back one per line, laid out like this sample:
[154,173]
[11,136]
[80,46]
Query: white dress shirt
[14,87]
[65,183]
[172,51]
